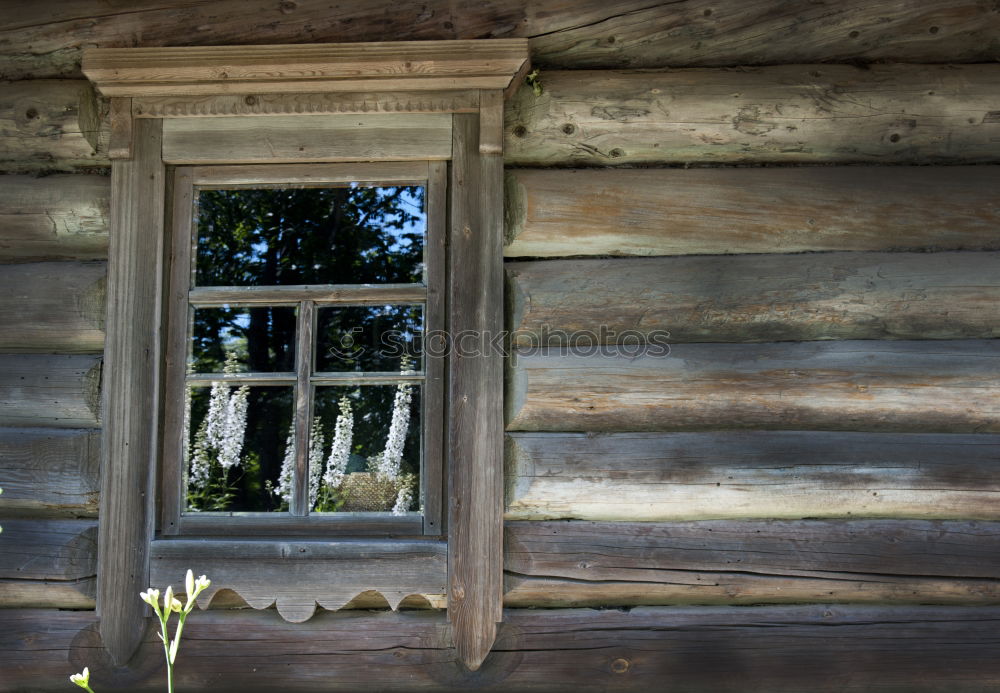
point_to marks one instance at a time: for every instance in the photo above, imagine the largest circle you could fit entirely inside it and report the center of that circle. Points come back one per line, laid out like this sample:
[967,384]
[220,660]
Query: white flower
[287,475]
[82,679]
[201,460]
[388,463]
[340,452]
[316,443]
[403,500]
[231,445]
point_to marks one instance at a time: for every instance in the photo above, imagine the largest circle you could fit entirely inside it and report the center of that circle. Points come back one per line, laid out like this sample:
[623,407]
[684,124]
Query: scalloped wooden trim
[298,609]
[305,104]
[298,576]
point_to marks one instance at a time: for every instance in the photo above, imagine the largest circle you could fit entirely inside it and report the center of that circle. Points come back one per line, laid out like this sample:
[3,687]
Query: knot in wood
[620,665]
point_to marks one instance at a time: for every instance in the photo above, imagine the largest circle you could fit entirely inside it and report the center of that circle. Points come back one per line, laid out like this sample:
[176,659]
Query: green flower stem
[166,650]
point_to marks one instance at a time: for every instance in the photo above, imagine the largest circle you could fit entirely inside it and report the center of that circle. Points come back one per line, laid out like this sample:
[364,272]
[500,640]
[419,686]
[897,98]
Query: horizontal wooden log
[773,648]
[585,33]
[58,217]
[48,549]
[326,574]
[726,562]
[292,139]
[949,386]
[53,307]
[50,125]
[50,390]
[47,594]
[49,471]
[558,212]
[785,113]
[751,474]
[755,298]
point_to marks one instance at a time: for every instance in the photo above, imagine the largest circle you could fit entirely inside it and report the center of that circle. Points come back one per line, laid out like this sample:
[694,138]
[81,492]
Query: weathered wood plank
[625,564]
[49,471]
[296,577]
[58,217]
[129,396]
[312,67]
[828,649]
[291,139]
[475,416]
[785,113]
[52,307]
[700,32]
[48,549]
[50,390]
[48,594]
[755,298]
[925,386]
[49,125]
[747,474]
[585,33]
[558,212]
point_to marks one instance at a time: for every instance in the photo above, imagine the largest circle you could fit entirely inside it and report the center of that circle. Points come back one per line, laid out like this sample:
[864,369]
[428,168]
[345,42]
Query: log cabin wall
[797,488]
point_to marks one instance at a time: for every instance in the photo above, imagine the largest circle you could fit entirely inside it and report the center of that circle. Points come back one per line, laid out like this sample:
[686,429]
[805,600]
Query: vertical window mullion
[435,310]
[180,273]
[303,405]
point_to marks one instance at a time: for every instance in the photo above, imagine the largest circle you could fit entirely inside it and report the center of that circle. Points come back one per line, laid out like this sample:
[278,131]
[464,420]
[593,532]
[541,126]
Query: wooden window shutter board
[152,90]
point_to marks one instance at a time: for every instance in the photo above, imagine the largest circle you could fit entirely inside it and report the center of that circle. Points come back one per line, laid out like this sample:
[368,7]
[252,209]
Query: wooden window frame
[434,101]
[187,180]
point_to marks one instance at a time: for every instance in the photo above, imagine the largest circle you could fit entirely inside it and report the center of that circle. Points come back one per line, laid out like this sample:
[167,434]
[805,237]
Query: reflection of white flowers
[201,461]
[340,451]
[388,463]
[316,442]
[403,500]
[287,475]
[227,417]
[221,434]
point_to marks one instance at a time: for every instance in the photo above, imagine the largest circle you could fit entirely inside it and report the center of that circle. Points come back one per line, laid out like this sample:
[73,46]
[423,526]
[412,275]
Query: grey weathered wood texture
[558,212]
[48,549]
[828,649]
[44,42]
[52,307]
[728,562]
[296,577]
[787,113]
[57,217]
[922,386]
[745,474]
[48,594]
[48,471]
[475,418]
[49,125]
[784,113]
[50,390]
[278,139]
[129,396]
[755,298]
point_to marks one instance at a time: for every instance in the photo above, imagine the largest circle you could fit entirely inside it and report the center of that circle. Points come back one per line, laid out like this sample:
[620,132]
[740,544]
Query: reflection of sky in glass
[338,235]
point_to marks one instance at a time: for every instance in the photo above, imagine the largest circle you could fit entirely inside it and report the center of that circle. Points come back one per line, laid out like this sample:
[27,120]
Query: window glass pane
[237,445]
[371,452]
[250,339]
[280,237]
[369,338]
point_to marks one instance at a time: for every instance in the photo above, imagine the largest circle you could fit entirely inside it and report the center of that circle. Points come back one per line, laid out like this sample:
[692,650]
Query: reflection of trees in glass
[267,237]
